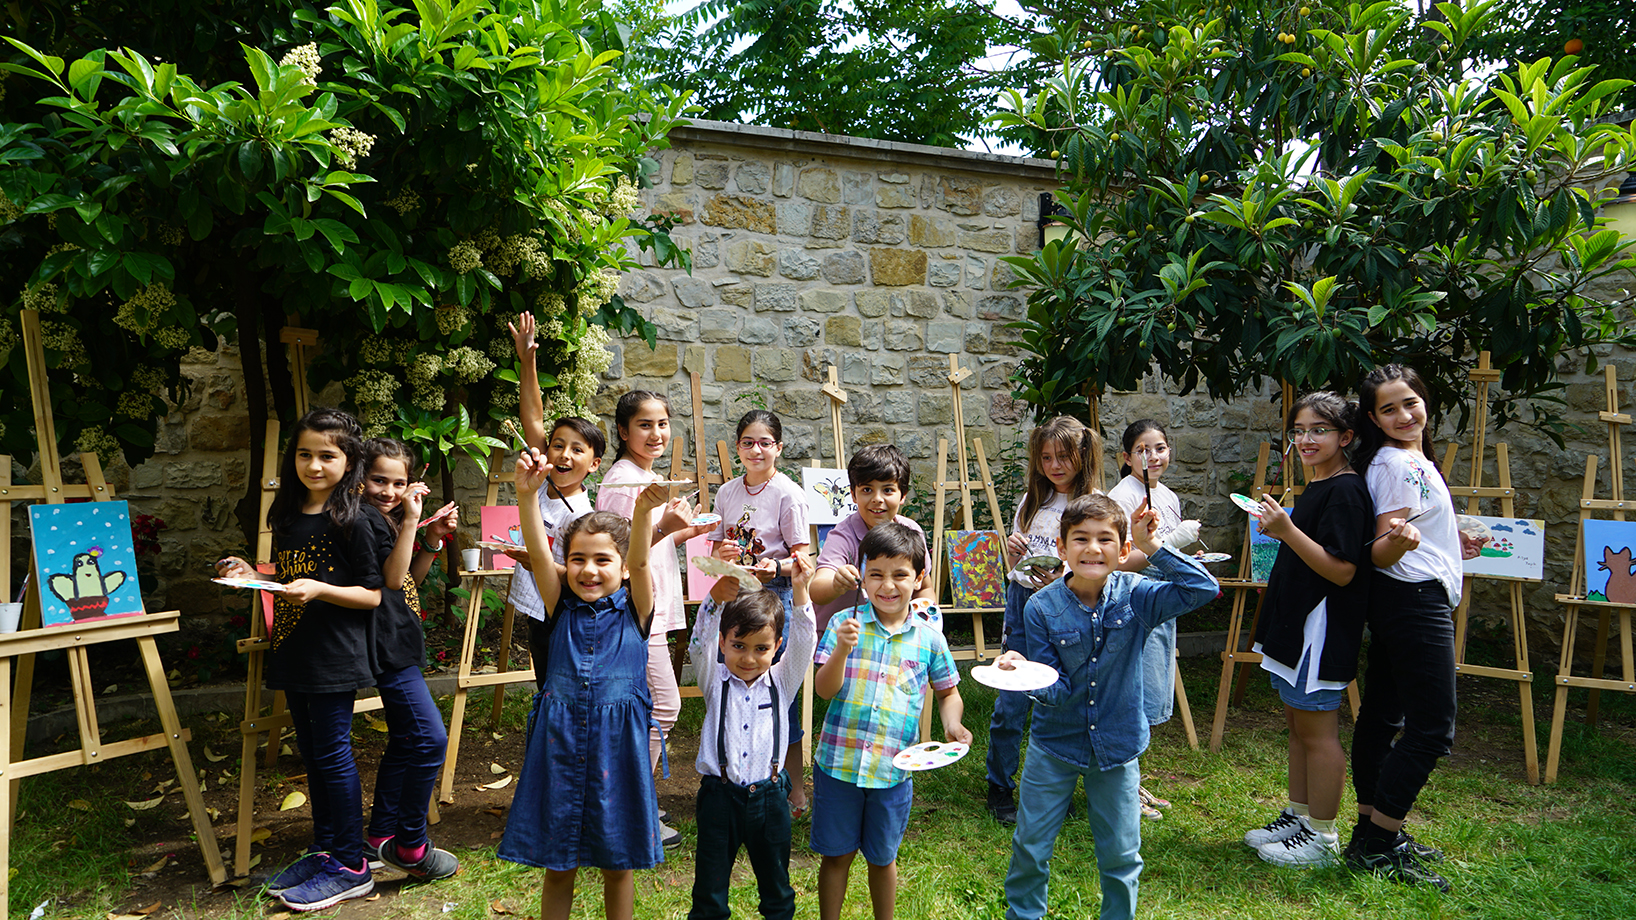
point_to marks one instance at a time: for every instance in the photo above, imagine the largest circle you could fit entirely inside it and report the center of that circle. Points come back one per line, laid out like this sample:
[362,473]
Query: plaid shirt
[877,711]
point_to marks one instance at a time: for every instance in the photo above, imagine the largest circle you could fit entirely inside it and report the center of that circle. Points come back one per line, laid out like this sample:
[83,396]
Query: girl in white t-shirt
[1064,462]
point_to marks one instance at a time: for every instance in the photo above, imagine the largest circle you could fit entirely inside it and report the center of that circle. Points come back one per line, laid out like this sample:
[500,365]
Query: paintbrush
[1406,520]
[512,430]
[857,589]
[1145,483]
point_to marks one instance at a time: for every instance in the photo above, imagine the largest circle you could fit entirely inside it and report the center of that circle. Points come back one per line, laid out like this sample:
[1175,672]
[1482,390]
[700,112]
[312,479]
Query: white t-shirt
[1042,533]
[1130,492]
[1400,479]
[662,563]
[558,514]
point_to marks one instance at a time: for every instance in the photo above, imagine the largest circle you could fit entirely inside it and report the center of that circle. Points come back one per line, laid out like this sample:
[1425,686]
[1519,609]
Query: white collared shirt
[755,752]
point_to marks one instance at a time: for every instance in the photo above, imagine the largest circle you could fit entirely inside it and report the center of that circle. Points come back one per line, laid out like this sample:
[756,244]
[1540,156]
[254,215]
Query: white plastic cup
[11,616]
[471,559]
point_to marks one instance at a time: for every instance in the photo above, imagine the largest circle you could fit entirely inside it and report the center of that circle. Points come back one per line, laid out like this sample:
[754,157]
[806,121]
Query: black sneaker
[432,865]
[1399,863]
[1426,852]
[1000,804]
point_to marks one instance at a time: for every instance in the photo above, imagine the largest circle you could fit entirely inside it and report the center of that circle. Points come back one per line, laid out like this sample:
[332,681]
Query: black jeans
[756,818]
[1408,688]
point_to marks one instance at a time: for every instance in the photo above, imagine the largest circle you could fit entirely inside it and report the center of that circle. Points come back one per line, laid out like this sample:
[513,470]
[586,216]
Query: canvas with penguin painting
[84,561]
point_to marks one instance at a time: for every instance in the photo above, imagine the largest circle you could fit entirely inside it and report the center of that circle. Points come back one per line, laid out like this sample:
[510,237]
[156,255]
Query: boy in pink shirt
[879,475]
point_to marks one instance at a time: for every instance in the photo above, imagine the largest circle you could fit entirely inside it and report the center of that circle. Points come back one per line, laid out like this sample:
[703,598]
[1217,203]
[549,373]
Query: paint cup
[11,616]
[471,559]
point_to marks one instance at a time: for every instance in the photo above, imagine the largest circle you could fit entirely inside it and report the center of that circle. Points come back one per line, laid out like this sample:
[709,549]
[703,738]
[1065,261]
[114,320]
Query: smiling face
[647,434]
[1060,464]
[1400,413]
[1323,454]
[758,450]
[385,483]
[749,655]
[571,459]
[1151,447]
[878,500]
[320,463]
[1092,549]
[595,567]
[890,583]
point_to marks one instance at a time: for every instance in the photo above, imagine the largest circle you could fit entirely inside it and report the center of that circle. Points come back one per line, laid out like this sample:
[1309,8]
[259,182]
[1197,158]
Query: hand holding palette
[253,584]
[1024,676]
[929,755]
[1246,504]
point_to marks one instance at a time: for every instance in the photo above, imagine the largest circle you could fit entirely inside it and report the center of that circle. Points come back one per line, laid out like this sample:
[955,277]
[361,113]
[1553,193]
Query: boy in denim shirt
[1091,626]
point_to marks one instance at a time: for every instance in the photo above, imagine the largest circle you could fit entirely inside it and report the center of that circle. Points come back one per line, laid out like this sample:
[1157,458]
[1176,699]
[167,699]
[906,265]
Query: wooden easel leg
[1559,714]
[8,792]
[1228,653]
[275,738]
[19,711]
[1460,620]
[506,617]
[1525,686]
[1181,702]
[457,719]
[1599,659]
[247,803]
[1245,669]
[185,774]
[1353,698]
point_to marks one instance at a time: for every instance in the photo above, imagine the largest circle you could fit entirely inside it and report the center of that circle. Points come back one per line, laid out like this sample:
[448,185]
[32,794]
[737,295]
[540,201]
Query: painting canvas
[829,495]
[698,583]
[84,561]
[499,522]
[1609,573]
[976,567]
[1263,550]
[1516,549]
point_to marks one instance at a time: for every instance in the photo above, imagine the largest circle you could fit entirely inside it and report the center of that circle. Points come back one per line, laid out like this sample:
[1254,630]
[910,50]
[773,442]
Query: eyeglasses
[1315,434]
[751,443]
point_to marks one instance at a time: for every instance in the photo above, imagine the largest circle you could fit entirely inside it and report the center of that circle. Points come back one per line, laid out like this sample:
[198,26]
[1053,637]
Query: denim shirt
[1095,707]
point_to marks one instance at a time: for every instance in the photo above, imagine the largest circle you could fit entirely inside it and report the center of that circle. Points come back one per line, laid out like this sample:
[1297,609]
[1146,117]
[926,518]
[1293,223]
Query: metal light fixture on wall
[1050,227]
[1621,211]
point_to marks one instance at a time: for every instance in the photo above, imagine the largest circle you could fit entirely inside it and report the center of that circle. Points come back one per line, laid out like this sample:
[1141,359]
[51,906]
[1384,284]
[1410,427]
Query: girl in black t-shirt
[328,548]
[1311,626]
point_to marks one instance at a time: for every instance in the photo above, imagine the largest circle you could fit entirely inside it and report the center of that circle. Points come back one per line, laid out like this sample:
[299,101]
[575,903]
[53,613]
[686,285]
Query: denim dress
[585,795]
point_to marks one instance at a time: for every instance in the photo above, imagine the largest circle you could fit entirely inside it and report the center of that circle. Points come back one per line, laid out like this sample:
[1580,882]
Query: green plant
[445,435]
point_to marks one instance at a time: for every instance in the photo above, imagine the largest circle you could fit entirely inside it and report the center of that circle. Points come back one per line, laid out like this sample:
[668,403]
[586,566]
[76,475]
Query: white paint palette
[706,518]
[1212,558]
[1246,504]
[929,755]
[1045,564]
[437,517]
[252,584]
[499,545]
[710,565]
[1025,676]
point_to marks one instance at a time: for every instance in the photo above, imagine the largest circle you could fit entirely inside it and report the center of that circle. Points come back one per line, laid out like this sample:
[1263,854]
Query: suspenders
[721,729]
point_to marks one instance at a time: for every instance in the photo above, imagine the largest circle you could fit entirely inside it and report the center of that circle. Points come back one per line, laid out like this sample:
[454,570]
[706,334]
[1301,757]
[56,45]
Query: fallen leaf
[80,805]
[212,756]
[285,750]
[254,862]
[144,806]
[497,735]
[204,786]
[214,812]
[13,873]
[113,916]
[377,725]
[163,860]
[496,769]
[374,897]
[293,800]
[175,674]
[130,822]
[497,812]
[499,907]
[112,688]
[166,783]
[144,911]
[260,834]
[281,915]
[494,836]
[501,783]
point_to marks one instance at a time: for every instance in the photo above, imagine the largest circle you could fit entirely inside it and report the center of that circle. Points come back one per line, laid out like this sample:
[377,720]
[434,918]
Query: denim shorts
[1296,698]
[847,818]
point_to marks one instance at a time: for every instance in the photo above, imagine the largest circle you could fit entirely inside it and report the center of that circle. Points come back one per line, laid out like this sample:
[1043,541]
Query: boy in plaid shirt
[875,666]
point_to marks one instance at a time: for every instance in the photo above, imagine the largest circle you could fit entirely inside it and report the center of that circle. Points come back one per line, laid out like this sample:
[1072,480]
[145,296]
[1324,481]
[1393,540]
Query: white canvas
[1517,550]
[829,495]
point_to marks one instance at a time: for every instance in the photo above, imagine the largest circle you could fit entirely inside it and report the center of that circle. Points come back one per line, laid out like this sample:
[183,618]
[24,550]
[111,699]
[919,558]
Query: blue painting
[1263,551]
[84,561]
[1610,573]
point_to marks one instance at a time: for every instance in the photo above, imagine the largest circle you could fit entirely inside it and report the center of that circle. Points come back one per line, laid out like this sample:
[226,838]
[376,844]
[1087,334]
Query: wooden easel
[700,474]
[1484,375]
[837,399]
[1588,505]
[941,488]
[76,639]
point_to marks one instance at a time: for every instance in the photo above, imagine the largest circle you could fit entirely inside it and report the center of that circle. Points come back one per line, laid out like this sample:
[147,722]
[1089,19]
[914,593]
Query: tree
[399,178]
[1596,31]
[1303,193]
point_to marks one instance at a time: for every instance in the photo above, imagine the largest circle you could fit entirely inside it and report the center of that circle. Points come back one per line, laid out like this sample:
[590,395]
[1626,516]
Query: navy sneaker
[329,886]
[433,865]
[297,872]
[1398,863]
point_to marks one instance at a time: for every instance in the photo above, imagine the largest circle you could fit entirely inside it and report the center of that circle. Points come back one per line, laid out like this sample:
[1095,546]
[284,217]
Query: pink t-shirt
[667,574]
[841,548]
[766,520]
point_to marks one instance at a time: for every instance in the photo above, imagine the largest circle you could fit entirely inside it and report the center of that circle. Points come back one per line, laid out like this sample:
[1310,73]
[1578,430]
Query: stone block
[861,409]
[681,171]
[719,325]
[641,287]
[959,195]
[801,331]
[872,434]
[1000,307]
[711,175]
[676,326]
[800,442]
[871,336]
[776,365]
[929,372]
[693,292]
[930,232]
[922,304]
[783,180]
[986,240]
[733,363]
[895,196]
[943,273]
[935,409]
[794,218]
[738,295]
[660,361]
[196,474]
[831,222]
[977,338]
[809,404]
[856,188]
[740,212]
[875,303]
[753,178]
[958,304]
[854,367]
[976,273]
[897,267]
[916,444]
[219,432]
[945,337]
[695,360]
[843,330]
[824,301]
[975,412]
[875,227]
[843,267]
[1002,201]
[1006,411]
[902,335]
[150,475]
[897,407]
[707,253]
[607,398]
[758,330]
[775,296]
[893,178]
[679,205]
[819,183]
[1002,276]
[616,367]
[751,257]
[797,265]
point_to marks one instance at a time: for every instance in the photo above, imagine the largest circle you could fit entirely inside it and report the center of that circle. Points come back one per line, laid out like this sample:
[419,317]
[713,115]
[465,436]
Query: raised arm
[530,405]
[396,568]
[652,497]
[531,474]
[436,533]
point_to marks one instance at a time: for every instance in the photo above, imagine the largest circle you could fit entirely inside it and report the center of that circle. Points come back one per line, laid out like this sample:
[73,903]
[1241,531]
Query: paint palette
[1212,558]
[1474,528]
[644,485]
[706,518]
[1247,504]
[1044,564]
[710,565]
[438,516]
[929,755]
[253,584]
[1026,675]
[500,545]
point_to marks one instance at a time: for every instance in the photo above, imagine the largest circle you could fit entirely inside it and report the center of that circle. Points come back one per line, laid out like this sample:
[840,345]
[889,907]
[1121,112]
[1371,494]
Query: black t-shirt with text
[319,647]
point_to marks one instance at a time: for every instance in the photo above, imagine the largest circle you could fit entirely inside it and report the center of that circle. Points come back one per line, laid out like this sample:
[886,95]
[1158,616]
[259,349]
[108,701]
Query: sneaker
[1399,863]
[297,872]
[432,865]
[664,816]
[372,852]
[1306,849]
[329,886]
[669,836]
[1426,852]
[1281,828]
[1148,798]
[1000,804]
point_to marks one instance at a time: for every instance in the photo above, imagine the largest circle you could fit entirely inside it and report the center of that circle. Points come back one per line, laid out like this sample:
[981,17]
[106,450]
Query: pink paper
[698,583]
[500,522]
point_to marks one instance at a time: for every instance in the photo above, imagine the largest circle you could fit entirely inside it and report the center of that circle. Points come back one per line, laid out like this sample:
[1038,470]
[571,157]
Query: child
[587,797]
[764,526]
[1311,627]
[875,666]
[1146,447]
[1064,462]
[1091,626]
[743,789]
[1409,684]
[328,548]
[416,739]
[879,475]
[642,426]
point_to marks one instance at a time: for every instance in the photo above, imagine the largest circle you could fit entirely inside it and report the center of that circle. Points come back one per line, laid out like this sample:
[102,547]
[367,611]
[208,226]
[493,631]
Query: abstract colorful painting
[1515,549]
[499,523]
[84,561]
[976,567]
[1610,574]
[829,495]
[1263,550]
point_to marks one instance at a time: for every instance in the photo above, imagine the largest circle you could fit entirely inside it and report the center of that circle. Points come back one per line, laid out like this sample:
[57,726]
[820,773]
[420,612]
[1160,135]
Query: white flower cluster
[625,198]
[134,404]
[404,201]
[466,364]
[520,250]
[149,379]
[596,289]
[63,338]
[453,317]
[170,234]
[463,257]
[174,337]
[550,303]
[93,440]
[486,239]
[375,350]
[354,145]
[306,58]
[423,370]
[8,338]
[9,211]
[579,380]
[500,348]
[141,314]
[505,398]
[372,386]
[431,398]
[42,298]
[375,417]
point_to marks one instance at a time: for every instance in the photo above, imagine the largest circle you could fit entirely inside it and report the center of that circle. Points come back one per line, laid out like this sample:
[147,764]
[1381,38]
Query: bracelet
[434,550]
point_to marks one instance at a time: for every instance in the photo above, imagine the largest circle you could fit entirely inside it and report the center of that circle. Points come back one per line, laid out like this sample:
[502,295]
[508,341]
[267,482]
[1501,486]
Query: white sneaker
[1281,828]
[669,836]
[1306,849]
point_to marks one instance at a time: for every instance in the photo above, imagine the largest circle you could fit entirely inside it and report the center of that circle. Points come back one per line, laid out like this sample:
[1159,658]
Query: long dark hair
[346,502]
[1135,430]
[625,410]
[761,417]
[1370,436]
[391,449]
[1071,436]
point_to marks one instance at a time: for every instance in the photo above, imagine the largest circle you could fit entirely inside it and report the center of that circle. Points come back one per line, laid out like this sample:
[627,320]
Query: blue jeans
[1011,708]
[323,731]
[1159,673]
[415,744]
[1047,788]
